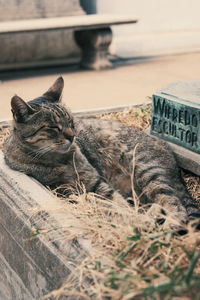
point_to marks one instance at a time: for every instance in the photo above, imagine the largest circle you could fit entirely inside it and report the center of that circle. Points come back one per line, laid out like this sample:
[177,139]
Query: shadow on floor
[30,71]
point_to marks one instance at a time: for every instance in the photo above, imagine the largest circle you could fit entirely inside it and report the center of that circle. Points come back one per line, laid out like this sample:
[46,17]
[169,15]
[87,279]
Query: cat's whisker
[41,152]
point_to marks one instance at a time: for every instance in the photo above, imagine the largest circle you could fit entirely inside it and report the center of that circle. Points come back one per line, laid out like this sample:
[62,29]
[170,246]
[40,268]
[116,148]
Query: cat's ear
[55,91]
[20,109]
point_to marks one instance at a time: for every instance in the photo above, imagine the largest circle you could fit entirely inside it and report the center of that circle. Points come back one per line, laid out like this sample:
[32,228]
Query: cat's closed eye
[52,132]
[33,132]
[55,128]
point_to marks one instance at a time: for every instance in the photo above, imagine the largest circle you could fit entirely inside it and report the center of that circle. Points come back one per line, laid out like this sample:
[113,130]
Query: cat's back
[113,134]
[111,141]
[106,131]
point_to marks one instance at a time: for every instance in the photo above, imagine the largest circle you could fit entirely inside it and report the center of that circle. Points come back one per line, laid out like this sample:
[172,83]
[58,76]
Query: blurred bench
[92,33]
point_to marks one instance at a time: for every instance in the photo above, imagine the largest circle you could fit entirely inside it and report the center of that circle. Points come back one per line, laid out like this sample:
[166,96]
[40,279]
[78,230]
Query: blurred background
[164,27]
[164,46]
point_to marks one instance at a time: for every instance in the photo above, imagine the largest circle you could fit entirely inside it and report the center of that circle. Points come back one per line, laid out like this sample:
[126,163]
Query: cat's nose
[69,134]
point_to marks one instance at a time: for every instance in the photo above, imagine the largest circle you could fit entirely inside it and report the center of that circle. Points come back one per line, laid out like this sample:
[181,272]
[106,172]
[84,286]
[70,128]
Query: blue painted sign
[176,122]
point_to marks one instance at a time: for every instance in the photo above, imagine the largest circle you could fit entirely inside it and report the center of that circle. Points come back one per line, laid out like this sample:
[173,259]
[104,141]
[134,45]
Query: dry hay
[131,257]
[137,117]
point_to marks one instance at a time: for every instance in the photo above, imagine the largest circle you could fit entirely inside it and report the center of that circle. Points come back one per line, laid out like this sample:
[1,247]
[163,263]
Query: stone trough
[33,264]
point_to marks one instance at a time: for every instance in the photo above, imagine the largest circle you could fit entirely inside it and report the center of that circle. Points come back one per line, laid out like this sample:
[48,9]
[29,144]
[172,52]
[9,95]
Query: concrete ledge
[40,264]
[186,159]
[105,110]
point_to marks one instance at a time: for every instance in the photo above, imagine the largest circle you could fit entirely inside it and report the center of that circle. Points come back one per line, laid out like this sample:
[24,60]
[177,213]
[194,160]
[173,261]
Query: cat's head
[43,124]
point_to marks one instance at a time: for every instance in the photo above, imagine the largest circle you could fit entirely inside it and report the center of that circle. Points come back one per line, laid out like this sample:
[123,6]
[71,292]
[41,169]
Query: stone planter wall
[33,263]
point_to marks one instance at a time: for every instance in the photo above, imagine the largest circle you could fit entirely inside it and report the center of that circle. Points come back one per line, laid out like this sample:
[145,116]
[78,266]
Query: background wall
[165,26]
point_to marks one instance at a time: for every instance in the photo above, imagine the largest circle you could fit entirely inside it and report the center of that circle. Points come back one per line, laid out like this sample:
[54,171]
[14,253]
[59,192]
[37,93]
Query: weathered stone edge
[11,286]
[44,262]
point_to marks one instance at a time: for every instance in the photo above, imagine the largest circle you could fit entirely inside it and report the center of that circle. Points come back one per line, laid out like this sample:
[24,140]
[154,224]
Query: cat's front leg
[79,175]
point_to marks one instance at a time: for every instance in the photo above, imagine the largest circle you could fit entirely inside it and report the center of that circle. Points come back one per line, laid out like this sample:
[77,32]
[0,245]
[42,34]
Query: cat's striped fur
[55,148]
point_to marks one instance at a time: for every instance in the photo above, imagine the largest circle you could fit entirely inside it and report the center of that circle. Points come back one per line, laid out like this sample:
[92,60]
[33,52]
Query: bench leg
[94,44]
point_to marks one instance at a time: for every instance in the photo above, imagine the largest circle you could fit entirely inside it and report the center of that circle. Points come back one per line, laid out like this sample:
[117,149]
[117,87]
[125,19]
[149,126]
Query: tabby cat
[54,147]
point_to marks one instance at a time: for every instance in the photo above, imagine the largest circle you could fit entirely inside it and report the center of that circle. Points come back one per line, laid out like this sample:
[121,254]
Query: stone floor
[126,84]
